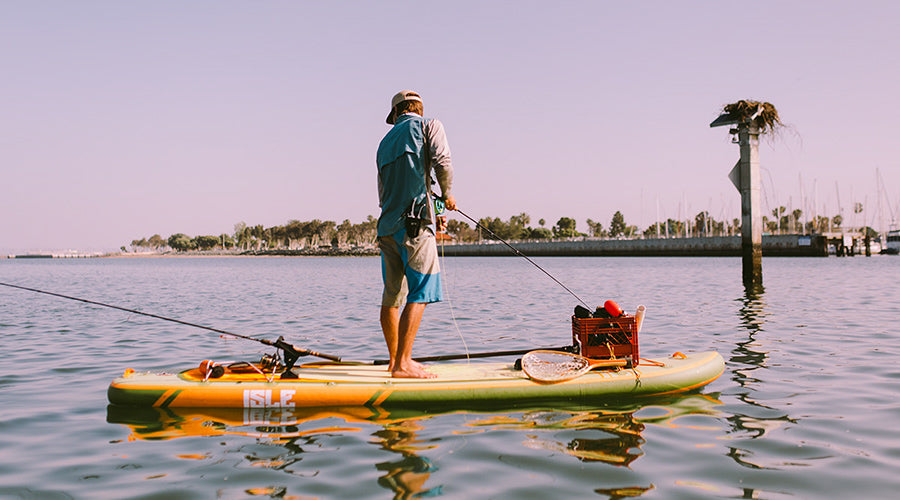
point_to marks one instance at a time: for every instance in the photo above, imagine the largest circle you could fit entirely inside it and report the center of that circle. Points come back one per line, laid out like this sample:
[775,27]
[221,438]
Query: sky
[121,120]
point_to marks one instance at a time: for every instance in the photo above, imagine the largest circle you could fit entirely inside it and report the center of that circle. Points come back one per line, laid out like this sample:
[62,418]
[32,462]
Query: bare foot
[415,365]
[415,370]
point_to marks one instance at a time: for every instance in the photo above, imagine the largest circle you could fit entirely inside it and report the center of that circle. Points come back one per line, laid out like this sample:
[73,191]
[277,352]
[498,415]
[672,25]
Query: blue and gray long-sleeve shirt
[411,150]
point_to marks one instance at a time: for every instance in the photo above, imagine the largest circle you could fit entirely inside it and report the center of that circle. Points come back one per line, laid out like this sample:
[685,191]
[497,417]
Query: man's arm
[439,151]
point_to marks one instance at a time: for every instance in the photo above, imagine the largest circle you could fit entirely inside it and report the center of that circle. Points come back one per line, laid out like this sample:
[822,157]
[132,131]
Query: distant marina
[787,245]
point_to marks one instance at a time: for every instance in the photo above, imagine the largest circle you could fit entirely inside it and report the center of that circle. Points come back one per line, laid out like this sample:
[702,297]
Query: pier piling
[750,119]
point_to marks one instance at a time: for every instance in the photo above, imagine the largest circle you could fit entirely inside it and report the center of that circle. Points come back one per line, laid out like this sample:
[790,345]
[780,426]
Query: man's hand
[450,202]
[441,224]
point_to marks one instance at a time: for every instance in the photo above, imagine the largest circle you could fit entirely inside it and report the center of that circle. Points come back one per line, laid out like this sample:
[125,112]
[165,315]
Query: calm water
[807,408]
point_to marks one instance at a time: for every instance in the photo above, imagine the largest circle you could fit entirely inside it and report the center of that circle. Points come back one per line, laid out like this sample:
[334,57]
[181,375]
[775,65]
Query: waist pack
[417,217]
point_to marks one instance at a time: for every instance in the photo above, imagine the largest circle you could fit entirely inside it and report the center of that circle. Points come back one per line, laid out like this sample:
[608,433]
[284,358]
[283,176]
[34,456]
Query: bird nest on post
[762,114]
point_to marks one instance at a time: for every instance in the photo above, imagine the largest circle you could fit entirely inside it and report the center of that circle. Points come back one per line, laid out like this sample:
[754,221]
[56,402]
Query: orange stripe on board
[381,397]
[164,399]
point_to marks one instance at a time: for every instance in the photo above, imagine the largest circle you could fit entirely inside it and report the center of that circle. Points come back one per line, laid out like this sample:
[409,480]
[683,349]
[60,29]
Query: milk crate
[594,337]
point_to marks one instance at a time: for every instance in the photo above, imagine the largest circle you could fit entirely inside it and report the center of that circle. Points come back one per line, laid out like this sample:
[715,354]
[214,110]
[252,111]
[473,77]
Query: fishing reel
[271,362]
[210,369]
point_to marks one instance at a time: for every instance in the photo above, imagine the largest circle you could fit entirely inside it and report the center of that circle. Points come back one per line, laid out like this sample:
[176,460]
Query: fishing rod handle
[321,355]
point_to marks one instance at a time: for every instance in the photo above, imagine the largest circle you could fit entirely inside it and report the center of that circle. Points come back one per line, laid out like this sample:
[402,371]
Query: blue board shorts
[410,269]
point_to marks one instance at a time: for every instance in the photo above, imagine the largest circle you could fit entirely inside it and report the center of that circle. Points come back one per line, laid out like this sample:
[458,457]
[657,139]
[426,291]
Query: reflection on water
[406,476]
[756,419]
[621,493]
[270,423]
[611,435]
[605,436]
[748,355]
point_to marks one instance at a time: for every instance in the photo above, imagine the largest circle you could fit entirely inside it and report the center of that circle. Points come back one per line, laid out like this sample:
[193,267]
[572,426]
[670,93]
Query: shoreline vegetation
[317,237]
[367,251]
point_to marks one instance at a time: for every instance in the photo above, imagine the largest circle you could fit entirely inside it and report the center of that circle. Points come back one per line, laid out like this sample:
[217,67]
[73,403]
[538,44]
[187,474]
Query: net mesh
[551,366]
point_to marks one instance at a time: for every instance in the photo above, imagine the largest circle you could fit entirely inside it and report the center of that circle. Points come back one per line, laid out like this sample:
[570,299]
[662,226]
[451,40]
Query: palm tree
[156,241]
[595,228]
[797,225]
[259,233]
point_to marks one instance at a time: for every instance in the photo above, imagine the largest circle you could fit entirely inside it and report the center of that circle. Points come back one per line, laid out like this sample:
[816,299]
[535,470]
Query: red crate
[593,338]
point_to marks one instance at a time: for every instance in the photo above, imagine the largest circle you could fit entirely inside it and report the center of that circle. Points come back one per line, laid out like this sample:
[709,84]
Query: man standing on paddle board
[411,150]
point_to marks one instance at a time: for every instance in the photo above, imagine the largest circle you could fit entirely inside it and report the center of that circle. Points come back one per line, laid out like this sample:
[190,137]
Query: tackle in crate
[607,332]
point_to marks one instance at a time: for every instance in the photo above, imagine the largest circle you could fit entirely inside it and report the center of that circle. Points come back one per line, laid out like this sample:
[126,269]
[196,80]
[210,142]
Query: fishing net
[553,366]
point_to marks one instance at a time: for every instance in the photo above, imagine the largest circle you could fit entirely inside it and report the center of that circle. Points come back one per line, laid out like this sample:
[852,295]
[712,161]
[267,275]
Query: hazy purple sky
[125,119]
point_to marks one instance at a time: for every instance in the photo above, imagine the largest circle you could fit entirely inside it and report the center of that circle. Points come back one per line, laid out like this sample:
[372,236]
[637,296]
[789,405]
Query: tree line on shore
[314,234]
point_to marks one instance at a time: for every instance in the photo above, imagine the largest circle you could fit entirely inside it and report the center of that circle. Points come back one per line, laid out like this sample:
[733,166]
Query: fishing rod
[291,353]
[473,355]
[514,249]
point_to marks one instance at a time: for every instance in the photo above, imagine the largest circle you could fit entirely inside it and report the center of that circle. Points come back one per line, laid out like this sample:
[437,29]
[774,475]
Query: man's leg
[390,326]
[396,326]
[403,365]
[392,272]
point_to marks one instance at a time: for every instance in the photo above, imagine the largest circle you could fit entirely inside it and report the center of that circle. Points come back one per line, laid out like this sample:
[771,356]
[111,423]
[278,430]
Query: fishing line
[514,249]
[280,343]
[450,303]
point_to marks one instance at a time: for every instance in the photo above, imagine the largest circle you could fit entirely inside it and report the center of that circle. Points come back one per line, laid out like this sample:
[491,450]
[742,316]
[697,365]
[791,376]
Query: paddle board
[323,384]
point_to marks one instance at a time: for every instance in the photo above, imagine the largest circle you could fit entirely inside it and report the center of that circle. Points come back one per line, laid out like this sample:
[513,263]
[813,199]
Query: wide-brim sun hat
[403,95]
